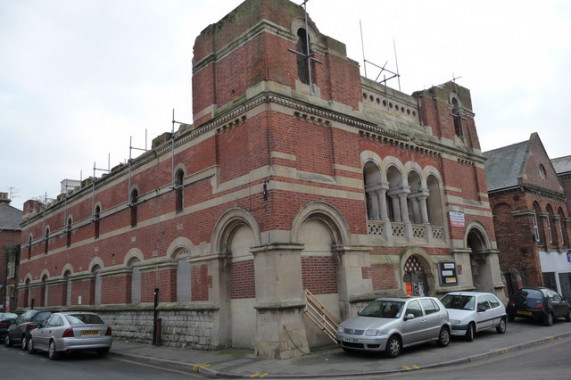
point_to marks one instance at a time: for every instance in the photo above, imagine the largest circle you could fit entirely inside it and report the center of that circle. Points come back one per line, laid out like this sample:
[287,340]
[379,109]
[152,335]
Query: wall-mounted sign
[457,219]
[448,273]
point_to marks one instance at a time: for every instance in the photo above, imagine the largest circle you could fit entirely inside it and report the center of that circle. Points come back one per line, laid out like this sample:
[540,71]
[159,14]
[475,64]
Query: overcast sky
[80,78]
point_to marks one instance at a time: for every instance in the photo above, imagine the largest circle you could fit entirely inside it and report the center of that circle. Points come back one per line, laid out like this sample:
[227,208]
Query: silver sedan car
[71,331]
[390,324]
[471,312]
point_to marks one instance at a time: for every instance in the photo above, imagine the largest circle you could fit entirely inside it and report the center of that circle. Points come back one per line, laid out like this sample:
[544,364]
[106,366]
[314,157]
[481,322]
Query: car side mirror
[408,316]
[481,309]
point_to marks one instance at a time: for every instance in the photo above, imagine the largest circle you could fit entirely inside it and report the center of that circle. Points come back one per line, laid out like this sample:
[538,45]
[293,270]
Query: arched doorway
[415,278]
[319,273]
[479,261]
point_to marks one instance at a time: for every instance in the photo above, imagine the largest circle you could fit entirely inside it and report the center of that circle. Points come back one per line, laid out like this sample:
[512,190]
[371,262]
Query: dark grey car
[19,332]
[390,324]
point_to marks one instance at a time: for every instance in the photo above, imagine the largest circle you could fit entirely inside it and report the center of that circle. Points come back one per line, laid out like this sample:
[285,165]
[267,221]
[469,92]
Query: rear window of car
[84,319]
[530,294]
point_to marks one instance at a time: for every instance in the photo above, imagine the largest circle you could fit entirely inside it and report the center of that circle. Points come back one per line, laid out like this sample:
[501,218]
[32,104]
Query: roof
[562,164]
[504,165]
[10,217]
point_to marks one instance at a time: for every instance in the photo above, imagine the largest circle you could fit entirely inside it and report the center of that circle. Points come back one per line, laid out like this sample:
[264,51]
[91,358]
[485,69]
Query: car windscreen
[459,301]
[41,316]
[383,309]
[84,319]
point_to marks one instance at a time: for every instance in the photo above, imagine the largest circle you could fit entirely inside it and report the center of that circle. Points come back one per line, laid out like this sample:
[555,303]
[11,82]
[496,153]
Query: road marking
[199,367]
[158,367]
[261,375]
[413,367]
[503,350]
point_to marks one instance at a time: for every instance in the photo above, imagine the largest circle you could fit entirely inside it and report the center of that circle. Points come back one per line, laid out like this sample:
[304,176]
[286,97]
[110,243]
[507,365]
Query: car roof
[470,293]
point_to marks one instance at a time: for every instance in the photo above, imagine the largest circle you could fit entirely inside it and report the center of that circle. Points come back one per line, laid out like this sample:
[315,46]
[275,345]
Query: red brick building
[10,236]
[531,219]
[296,174]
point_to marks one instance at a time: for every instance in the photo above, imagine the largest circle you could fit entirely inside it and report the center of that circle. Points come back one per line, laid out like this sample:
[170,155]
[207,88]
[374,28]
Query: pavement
[333,362]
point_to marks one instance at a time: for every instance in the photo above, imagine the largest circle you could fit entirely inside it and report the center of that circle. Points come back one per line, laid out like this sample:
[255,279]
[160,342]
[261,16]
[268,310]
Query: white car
[390,324]
[471,312]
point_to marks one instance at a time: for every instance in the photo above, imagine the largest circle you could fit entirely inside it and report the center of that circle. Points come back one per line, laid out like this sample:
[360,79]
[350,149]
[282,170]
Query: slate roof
[10,217]
[562,164]
[505,165]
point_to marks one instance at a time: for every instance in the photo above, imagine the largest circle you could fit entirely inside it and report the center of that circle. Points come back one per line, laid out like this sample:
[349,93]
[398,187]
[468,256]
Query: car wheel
[548,320]
[52,353]
[31,349]
[24,343]
[102,352]
[443,337]
[8,341]
[511,317]
[394,347]
[470,332]
[502,327]
[568,316]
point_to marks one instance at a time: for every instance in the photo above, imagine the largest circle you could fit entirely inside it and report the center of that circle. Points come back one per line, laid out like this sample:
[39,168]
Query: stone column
[350,283]
[280,330]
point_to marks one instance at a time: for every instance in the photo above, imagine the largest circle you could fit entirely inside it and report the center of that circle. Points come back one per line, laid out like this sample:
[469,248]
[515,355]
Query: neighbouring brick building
[296,174]
[562,166]
[10,236]
[531,219]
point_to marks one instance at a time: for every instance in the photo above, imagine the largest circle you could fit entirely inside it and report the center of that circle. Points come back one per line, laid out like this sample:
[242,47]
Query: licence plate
[352,340]
[523,312]
[90,332]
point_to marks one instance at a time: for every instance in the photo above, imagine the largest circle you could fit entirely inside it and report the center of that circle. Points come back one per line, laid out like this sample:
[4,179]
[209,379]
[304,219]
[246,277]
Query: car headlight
[455,321]
[340,329]
[372,332]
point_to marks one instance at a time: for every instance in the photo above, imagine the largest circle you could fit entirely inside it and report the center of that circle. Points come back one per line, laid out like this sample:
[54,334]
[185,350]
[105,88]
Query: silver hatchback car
[390,324]
[71,331]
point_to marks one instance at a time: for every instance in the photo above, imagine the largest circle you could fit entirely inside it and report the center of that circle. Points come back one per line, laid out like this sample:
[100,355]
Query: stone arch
[179,246]
[417,273]
[133,254]
[227,223]
[321,229]
[327,214]
[95,262]
[235,235]
[477,240]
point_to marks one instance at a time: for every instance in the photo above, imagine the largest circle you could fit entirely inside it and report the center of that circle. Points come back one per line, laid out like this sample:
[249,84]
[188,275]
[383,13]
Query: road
[16,364]
[548,361]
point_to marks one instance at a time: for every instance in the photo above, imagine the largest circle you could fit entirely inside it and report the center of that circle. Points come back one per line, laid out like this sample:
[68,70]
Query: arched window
[537,225]
[457,116]
[30,239]
[27,295]
[183,284]
[44,295]
[374,193]
[68,232]
[562,229]
[96,220]
[134,205]
[434,202]
[96,272]
[303,62]
[551,226]
[67,290]
[46,239]
[179,189]
[415,198]
[394,206]
[135,281]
